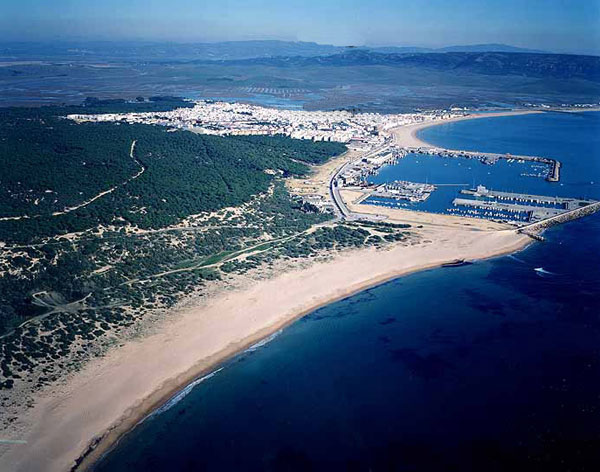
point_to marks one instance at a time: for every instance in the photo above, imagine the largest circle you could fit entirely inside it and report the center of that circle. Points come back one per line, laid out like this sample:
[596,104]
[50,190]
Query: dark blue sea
[493,366]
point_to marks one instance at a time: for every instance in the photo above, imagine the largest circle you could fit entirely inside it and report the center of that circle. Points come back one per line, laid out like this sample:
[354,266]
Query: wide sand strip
[111,394]
[114,393]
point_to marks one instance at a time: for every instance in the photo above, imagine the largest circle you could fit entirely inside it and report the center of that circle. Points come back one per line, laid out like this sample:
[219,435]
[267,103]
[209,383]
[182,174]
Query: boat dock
[536,207]
[565,203]
[491,158]
[535,213]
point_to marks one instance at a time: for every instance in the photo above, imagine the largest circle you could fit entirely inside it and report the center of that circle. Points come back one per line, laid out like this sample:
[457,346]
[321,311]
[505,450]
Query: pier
[566,203]
[510,202]
[491,158]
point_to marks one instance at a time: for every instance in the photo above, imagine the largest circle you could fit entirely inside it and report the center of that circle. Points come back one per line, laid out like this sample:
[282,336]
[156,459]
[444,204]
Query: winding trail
[251,250]
[91,200]
[67,307]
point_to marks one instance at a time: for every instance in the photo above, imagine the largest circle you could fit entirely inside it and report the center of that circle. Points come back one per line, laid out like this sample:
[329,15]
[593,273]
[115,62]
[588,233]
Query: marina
[526,199]
[534,213]
[530,208]
[515,207]
[490,158]
[403,190]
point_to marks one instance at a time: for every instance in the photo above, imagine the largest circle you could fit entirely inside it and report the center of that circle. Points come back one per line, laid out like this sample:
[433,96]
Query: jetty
[562,218]
[491,158]
[534,207]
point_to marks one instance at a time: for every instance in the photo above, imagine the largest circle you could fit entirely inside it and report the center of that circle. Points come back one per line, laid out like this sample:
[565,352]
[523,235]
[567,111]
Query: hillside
[224,50]
[562,66]
[105,224]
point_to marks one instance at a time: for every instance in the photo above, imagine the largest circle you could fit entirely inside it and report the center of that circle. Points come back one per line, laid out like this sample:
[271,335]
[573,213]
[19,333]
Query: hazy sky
[560,25]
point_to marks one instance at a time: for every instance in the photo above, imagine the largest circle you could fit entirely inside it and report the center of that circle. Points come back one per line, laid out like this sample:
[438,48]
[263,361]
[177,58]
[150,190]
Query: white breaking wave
[170,404]
[188,388]
[541,270]
[183,393]
[263,342]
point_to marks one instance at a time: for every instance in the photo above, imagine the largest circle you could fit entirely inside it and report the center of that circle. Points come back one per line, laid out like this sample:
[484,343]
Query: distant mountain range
[480,59]
[466,48]
[230,50]
[556,66]
[385,79]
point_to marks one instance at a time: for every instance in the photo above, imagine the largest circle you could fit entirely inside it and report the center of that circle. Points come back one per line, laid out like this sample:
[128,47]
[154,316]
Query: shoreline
[82,446]
[67,425]
[406,136]
[111,438]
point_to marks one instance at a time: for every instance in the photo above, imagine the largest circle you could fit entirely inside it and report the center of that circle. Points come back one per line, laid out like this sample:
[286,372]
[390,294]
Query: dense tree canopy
[49,163]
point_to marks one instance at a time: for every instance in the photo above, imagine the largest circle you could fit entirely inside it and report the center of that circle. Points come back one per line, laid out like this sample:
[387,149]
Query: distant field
[368,81]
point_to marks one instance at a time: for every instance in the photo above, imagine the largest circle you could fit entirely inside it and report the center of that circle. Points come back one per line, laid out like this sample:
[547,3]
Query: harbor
[518,207]
[489,158]
[357,172]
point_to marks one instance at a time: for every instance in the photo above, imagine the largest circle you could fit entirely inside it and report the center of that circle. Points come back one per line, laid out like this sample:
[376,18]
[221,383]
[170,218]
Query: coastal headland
[71,425]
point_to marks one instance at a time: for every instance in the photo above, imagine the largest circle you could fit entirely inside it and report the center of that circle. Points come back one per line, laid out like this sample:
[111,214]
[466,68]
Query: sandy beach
[113,393]
[110,395]
[406,136]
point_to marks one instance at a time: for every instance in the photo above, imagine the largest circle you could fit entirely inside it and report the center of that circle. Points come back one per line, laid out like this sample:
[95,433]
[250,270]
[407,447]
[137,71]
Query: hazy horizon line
[295,41]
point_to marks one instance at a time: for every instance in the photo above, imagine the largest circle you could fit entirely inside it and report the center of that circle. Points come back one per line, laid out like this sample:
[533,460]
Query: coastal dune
[112,394]
[70,426]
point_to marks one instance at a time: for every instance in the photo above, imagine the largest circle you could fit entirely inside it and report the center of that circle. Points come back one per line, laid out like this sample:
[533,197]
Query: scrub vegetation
[102,224]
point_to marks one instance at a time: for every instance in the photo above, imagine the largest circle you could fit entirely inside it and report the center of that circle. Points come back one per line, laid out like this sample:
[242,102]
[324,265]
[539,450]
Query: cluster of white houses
[224,118]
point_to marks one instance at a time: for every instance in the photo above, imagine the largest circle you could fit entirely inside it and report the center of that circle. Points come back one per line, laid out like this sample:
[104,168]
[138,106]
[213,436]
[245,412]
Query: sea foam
[183,393]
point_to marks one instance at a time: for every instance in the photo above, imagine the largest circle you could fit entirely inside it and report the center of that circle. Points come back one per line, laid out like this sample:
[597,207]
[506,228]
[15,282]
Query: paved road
[341,209]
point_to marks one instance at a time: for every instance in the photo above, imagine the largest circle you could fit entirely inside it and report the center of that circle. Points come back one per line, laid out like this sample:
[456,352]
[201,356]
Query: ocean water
[493,366]
[539,135]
